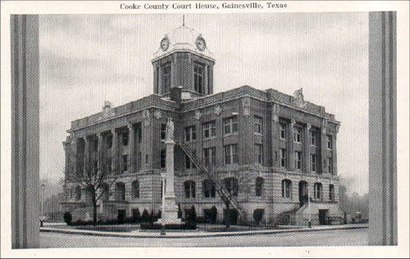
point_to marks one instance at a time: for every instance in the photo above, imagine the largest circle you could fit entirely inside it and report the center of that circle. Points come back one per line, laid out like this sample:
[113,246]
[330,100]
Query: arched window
[331,192]
[77,193]
[189,187]
[318,191]
[135,189]
[209,188]
[120,191]
[286,188]
[259,186]
[231,185]
[105,189]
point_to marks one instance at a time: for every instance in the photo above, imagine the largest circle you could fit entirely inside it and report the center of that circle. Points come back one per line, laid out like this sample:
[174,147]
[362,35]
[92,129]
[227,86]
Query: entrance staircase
[220,188]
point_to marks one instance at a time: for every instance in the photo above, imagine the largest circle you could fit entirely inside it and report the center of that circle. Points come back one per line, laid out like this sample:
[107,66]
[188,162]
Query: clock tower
[184,61]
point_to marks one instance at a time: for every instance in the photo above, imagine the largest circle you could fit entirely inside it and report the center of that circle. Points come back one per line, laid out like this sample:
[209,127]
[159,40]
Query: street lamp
[42,217]
[163,206]
[310,219]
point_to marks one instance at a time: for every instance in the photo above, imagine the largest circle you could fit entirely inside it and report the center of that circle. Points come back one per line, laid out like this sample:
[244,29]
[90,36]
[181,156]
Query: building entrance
[323,217]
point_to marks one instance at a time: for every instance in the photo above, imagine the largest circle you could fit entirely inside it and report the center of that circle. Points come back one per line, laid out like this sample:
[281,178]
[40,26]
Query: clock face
[200,43]
[164,44]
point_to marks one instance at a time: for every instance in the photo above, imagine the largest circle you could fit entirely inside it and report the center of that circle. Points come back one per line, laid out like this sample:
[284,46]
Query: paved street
[345,237]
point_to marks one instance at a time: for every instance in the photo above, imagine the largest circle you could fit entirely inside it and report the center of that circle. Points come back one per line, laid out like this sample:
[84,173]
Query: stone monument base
[170,213]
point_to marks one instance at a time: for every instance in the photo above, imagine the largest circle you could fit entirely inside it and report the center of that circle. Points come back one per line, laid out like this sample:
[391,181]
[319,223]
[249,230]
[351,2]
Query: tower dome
[183,38]
[183,65]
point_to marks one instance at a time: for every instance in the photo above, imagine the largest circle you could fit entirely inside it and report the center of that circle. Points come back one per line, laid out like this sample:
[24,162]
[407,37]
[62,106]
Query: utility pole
[42,217]
[310,219]
[163,205]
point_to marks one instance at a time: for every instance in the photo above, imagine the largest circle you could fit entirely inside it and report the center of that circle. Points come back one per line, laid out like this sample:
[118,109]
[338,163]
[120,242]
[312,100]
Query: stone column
[275,136]
[306,149]
[114,153]
[86,154]
[67,150]
[170,209]
[334,155]
[291,160]
[100,152]
[131,143]
[323,148]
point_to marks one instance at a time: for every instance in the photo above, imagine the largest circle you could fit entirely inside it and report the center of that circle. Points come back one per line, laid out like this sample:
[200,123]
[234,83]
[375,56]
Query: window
[77,193]
[199,78]
[188,162]
[331,192]
[313,162]
[329,142]
[298,160]
[318,191]
[163,158]
[189,187]
[139,161]
[231,125]
[209,129]
[124,139]
[120,191]
[124,163]
[109,141]
[283,158]
[231,154]
[105,189]
[283,131]
[138,134]
[190,133]
[258,125]
[297,134]
[210,156]
[135,189]
[330,165]
[108,166]
[209,188]
[313,138]
[95,145]
[258,154]
[286,188]
[231,185]
[166,78]
[163,131]
[259,186]
[147,160]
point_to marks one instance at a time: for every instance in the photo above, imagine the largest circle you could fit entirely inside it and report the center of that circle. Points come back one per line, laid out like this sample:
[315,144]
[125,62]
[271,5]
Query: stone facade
[279,148]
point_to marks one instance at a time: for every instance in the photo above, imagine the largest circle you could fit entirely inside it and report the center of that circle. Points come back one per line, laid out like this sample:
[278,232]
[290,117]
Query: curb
[193,235]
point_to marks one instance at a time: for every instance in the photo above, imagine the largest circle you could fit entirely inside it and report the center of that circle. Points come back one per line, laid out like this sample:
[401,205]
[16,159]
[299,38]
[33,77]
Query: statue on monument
[170,130]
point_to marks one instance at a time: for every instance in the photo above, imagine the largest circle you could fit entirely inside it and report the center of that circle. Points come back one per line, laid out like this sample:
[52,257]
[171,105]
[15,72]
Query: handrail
[220,188]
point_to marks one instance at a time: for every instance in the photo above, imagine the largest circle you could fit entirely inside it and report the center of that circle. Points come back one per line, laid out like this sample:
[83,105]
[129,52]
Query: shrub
[149,225]
[145,216]
[68,218]
[257,215]
[136,216]
[179,211]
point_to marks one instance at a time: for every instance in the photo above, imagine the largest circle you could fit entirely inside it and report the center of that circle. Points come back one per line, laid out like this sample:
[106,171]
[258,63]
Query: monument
[169,213]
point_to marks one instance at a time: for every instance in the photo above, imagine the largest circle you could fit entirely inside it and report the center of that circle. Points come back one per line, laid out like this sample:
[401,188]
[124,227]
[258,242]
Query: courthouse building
[270,151]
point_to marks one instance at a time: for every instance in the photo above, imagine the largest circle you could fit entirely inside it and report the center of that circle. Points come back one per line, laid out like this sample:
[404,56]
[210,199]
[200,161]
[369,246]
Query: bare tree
[229,188]
[92,172]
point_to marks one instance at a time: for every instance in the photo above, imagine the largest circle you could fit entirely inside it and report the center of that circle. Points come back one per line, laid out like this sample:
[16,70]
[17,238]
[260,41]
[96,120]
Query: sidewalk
[194,233]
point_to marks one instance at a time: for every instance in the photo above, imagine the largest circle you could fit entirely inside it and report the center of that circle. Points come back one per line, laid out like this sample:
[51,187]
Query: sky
[87,59]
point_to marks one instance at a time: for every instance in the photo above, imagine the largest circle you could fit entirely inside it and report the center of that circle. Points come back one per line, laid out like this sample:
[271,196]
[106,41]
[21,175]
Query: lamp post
[163,206]
[42,217]
[310,219]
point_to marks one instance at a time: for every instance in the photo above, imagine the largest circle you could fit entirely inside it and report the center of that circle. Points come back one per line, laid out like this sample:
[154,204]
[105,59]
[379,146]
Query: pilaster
[131,143]
[306,149]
